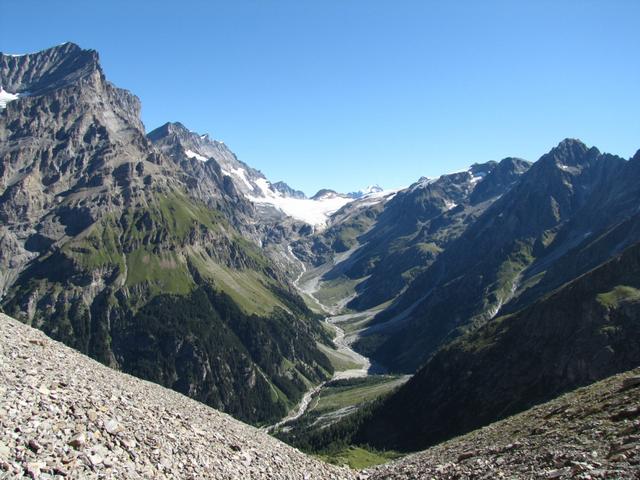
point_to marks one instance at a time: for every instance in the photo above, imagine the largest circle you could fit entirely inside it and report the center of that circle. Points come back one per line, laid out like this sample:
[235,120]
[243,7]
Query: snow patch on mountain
[375,198]
[197,156]
[317,209]
[265,187]
[315,212]
[448,204]
[422,183]
[252,183]
[6,97]
[241,173]
[475,178]
[371,189]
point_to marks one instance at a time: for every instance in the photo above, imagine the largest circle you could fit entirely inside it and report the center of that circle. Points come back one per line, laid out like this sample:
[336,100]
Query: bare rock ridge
[63,414]
[287,191]
[47,70]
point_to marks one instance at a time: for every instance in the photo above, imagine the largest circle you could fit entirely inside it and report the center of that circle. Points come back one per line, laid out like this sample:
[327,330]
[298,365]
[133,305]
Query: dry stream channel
[360,366]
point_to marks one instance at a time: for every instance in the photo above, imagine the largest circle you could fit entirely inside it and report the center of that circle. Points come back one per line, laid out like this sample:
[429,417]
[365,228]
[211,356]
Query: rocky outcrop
[592,433]
[287,191]
[63,415]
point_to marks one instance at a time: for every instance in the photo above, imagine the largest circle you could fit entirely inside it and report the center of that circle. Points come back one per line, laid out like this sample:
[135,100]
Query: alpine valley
[357,326]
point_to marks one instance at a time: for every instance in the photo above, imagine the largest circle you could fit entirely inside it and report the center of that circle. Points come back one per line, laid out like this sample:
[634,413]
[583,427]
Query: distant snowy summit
[327,193]
[287,191]
[252,183]
[370,190]
[275,201]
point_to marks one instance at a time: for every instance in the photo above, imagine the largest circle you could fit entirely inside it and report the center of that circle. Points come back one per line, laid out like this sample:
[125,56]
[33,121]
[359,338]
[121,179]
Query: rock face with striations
[63,415]
[69,130]
[141,255]
[287,191]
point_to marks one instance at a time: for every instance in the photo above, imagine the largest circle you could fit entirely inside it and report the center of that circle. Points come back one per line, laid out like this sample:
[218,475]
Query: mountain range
[133,250]
[165,256]
[501,291]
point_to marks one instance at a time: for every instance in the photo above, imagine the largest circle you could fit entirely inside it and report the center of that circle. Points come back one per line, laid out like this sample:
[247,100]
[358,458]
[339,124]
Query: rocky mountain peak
[571,144]
[62,93]
[169,128]
[569,153]
[325,193]
[369,190]
[482,168]
[61,75]
[287,191]
[50,69]
[178,132]
[564,165]
[514,164]
[178,141]
[499,179]
[175,137]
[203,161]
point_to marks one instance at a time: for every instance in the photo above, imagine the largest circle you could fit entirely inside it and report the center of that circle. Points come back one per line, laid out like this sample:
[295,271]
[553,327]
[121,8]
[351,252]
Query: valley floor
[347,363]
[356,380]
[591,433]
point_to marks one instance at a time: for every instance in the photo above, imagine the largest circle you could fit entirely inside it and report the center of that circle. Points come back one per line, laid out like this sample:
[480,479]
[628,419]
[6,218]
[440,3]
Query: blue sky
[346,93]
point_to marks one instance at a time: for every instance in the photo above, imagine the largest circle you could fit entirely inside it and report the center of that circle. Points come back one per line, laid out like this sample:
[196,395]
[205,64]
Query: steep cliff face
[102,234]
[72,147]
